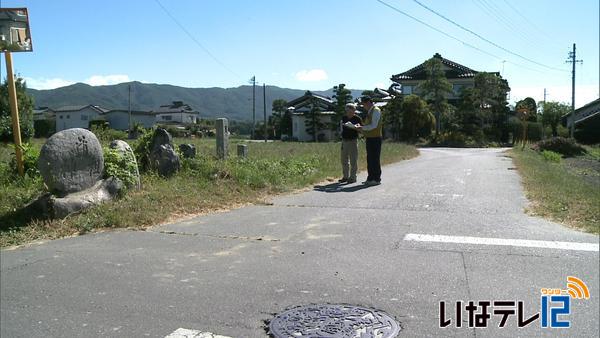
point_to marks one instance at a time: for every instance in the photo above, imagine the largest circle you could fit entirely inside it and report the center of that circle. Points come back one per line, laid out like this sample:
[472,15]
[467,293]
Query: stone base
[60,207]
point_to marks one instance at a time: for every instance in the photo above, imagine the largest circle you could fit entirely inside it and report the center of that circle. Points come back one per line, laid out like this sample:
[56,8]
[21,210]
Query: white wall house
[299,127]
[459,76]
[303,105]
[119,118]
[77,116]
[177,112]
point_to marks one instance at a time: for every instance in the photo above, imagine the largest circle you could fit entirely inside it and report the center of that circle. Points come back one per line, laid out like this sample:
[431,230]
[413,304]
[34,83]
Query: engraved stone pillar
[222,138]
[242,150]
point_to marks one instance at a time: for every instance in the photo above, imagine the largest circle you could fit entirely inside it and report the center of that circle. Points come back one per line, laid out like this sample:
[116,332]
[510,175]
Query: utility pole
[544,95]
[253,104]
[573,59]
[265,110]
[129,111]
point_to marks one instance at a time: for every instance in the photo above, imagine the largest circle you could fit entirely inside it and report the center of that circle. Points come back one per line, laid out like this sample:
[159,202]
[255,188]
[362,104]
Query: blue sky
[307,44]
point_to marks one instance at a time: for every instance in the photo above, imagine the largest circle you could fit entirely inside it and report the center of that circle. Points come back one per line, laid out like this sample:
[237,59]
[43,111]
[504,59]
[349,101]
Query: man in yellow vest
[373,132]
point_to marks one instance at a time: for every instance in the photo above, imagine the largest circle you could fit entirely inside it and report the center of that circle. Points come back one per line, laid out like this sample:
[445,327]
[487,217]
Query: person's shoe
[371,183]
[343,180]
[351,180]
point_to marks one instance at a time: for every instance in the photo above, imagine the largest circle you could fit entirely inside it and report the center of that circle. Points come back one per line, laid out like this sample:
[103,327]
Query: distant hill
[233,103]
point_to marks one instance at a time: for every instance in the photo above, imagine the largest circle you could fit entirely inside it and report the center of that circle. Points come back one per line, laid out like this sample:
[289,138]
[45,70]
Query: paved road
[227,273]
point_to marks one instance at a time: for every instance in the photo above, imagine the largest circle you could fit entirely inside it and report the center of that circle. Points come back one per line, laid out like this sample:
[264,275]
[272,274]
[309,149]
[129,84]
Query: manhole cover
[330,320]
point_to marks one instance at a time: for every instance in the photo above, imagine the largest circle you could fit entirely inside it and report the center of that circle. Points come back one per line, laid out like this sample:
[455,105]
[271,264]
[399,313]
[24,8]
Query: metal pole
[14,109]
[265,110]
[129,110]
[253,105]
[573,95]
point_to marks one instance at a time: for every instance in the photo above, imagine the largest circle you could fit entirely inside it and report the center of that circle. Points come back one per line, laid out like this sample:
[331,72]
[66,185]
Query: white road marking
[186,333]
[503,241]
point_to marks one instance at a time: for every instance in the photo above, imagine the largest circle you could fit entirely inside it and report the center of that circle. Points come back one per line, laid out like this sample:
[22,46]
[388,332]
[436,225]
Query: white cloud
[94,80]
[43,83]
[105,80]
[311,75]
[583,94]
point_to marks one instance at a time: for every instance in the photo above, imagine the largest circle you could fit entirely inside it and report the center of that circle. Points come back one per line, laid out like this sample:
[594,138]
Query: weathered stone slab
[60,207]
[188,150]
[71,160]
[242,150]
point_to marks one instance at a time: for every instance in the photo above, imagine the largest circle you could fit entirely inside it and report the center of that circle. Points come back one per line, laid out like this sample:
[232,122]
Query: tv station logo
[555,307]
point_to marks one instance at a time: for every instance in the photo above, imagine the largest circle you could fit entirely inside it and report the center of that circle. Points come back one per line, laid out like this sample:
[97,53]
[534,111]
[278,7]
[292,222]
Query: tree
[489,101]
[393,116]
[552,114]
[278,117]
[528,104]
[312,120]
[435,89]
[341,96]
[25,104]
[416,115]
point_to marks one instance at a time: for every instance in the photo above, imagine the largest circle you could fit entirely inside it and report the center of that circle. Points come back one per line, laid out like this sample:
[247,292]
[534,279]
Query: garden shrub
[565,146]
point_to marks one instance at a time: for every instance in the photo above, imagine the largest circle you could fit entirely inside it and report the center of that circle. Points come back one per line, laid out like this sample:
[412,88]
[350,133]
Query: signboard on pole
[15,35]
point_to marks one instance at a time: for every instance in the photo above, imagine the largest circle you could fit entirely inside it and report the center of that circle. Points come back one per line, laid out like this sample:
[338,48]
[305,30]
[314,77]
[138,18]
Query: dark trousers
[373,156]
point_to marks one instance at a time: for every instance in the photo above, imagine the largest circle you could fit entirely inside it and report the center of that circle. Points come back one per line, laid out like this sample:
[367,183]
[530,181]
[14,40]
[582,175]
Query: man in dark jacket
[349,153]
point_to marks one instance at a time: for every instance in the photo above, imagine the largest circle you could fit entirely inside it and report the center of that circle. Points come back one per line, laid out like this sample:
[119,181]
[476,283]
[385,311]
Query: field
[567,191]
[204,185]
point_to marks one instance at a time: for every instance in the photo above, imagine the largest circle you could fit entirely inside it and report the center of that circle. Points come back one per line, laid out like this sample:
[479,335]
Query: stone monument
[222,138]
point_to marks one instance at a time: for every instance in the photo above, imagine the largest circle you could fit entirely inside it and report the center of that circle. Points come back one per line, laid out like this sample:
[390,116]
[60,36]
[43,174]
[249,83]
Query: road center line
[186,333]
[503,241]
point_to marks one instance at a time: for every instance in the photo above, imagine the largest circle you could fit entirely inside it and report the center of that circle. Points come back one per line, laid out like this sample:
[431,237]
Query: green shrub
[121,166]
[565,146]
[30,159]
[551,156]
[108,134]
[142,149]
[44,128]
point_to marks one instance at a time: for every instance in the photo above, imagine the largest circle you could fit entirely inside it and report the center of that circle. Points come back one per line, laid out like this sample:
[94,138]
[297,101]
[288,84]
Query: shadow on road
[338,187]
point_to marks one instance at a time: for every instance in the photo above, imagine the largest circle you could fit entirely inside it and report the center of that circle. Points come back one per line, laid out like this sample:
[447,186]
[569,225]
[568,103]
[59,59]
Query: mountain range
[232,103]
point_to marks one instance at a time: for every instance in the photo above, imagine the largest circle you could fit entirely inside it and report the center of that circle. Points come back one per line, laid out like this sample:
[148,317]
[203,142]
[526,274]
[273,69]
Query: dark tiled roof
[323,100]
[78,108]
[176,107]
[133,112]
[418,72]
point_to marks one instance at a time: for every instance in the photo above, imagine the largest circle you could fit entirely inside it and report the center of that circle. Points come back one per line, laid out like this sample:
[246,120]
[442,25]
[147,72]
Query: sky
[309,44]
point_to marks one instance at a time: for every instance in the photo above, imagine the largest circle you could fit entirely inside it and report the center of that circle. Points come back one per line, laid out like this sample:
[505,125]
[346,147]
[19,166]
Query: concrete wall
[299,129]
[120,119]
[75,119]
[177,117]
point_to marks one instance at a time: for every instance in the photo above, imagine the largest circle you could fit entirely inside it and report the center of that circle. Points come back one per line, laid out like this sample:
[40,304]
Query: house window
[295,127]
[457,89]
[84,117]
[167,118]
[60,116]
[68,116]
[407,90]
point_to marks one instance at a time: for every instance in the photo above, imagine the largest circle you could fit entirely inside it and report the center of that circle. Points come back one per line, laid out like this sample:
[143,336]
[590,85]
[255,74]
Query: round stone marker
[71,160]
[333,320]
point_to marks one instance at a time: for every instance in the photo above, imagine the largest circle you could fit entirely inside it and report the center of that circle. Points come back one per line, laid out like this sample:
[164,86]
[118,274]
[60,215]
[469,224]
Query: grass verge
[203,185]
[557,193]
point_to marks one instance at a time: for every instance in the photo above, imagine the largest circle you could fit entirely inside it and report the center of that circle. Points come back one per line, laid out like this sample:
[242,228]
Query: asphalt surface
[228,273]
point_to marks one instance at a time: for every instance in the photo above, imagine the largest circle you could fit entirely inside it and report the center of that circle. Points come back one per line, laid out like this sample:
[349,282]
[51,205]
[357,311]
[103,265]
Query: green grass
[203,185]
[556,193]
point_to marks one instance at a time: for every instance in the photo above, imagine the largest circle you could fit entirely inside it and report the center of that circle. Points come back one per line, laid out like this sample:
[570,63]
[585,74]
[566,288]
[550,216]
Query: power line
[195,40]
[539,30]
[452,37]
[483,38]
